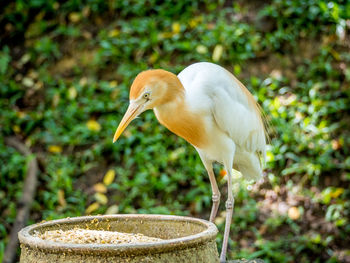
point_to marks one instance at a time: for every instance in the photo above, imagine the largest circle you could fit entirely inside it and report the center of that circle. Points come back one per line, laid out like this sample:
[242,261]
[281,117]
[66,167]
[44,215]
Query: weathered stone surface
[185,240]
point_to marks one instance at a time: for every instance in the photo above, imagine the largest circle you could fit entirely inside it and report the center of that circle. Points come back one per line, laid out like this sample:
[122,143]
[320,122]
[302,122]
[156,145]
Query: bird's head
[150,89]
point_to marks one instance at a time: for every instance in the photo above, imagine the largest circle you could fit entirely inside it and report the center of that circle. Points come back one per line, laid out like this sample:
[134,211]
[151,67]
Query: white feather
[234,126]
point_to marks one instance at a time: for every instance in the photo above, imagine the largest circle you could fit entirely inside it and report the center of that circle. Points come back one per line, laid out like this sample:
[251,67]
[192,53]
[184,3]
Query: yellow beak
[131,113]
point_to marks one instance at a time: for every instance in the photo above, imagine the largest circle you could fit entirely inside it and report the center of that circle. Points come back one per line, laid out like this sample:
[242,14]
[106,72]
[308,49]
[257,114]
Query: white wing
[232,106]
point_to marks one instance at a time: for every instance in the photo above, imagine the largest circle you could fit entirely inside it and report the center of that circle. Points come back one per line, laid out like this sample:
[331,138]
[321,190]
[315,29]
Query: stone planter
[186,240]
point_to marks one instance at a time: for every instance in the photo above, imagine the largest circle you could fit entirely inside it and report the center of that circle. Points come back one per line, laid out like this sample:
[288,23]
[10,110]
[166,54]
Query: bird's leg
[208,164]
[216,194]
[229,211]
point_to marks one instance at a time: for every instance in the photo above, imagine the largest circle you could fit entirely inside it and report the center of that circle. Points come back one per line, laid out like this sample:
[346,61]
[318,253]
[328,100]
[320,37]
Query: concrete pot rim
[27,239]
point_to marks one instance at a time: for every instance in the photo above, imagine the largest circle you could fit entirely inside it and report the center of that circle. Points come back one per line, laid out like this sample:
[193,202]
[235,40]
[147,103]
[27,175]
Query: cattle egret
[212,110]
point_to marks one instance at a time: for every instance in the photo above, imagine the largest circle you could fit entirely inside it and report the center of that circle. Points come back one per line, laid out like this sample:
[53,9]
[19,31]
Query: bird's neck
[177,116]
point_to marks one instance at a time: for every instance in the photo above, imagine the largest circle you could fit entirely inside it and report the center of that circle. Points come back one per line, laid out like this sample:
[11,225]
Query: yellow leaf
[175,154]
[270,157]
[72,93]
[93,125]
[113,83]
[109,177]
[55,149]
[217,53]
[193,23]
[33,74]
[114,94]
[127,134]
[16,128]
[55,100]
[21,114]
[113,209]
[87,34]
[38,85]
[176,27]
[86,11]
[100,188]
[101,198]
[277,104]
[113,33]
[153,58]
[25,58]
[165,35]
[61,199]
[83,81]
[28,82]
[74,17]
[337,192]
[335,54]
[210,26]
[56,5]
[201,49]
[220,219]
[98,20]
[336,144]
[40,16]
[294,213]
[91,208]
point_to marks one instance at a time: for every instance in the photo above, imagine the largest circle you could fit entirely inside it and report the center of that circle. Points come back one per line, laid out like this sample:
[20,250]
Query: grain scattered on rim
[84,236]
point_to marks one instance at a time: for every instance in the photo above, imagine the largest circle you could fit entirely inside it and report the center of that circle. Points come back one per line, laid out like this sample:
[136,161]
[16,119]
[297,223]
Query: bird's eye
[146,95]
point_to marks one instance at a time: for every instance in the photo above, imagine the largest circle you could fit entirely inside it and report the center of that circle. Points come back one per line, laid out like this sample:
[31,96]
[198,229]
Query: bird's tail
[250,166]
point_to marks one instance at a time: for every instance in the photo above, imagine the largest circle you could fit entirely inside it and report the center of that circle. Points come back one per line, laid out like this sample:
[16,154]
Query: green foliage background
[65,70]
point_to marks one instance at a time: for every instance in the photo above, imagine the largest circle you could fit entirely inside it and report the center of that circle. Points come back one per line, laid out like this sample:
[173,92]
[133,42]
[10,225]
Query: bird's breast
[184,123]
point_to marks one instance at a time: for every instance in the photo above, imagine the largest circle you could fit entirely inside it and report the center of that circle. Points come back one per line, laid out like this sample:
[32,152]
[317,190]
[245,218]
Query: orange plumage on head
[169,88]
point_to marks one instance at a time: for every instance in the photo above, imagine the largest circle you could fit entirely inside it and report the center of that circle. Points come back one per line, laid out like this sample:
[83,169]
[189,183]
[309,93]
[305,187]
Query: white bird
[211,109]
